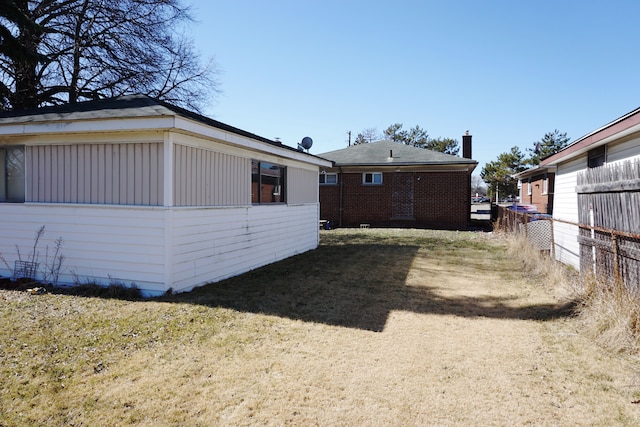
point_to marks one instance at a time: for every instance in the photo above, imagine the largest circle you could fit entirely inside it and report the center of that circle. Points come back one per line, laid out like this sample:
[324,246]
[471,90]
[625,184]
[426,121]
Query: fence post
[616,265]
[593,236]
[553,242]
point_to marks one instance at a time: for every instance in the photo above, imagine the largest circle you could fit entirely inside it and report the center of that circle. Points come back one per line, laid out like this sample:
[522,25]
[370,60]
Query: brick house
[385,183]
[537,187]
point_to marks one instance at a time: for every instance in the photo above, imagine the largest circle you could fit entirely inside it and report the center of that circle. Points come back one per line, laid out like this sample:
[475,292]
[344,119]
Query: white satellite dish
[305,144]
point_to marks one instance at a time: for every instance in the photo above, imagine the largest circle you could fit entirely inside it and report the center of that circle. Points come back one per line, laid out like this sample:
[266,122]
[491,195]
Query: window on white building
[12,179]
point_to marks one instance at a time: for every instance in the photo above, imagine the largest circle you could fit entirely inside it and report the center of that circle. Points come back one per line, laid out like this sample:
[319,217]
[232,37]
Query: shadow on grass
[356,285]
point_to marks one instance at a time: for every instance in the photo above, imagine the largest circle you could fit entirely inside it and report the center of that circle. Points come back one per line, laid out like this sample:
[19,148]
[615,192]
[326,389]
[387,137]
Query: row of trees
[416,137]
[498,174]
[56,52]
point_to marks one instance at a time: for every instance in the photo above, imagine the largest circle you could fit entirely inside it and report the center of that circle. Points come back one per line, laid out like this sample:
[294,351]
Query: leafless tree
[370,134]
[64,51]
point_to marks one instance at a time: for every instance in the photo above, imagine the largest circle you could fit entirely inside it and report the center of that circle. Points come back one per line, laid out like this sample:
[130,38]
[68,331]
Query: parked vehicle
[480,200]
[528,209]
[538,216]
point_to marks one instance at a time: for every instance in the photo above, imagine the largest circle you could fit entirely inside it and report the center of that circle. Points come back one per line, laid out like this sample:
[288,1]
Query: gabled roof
[618,128]
[123,107]
[390,153]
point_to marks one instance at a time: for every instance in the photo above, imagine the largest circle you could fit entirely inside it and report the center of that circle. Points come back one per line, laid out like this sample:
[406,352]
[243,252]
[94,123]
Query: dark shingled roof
[127,106]
[379,154]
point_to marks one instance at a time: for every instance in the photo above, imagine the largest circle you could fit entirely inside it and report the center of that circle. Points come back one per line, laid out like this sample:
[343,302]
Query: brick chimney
[466,145]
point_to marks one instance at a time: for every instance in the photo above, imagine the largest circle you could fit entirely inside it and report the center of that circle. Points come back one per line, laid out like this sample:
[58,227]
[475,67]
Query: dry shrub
[611,313]
[541,268]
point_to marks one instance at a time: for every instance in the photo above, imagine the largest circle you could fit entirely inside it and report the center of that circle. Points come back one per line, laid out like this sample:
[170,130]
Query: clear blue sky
[507,71]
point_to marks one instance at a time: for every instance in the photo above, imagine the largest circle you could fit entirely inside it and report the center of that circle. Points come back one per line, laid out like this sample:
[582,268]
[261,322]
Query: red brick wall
[330,202]
[441,199]
[542,201]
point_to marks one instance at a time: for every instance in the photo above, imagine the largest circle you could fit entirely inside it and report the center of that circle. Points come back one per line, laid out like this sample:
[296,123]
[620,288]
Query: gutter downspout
[340,202]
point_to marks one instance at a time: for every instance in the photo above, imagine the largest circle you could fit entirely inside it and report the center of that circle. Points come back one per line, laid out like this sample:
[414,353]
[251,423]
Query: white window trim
[329,174]
[373,175]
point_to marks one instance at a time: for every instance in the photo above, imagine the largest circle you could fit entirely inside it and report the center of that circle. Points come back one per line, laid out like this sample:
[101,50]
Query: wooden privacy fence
[608,253]
[609,202]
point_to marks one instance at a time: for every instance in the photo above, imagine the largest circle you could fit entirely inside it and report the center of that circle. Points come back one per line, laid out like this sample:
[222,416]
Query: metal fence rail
[608,253]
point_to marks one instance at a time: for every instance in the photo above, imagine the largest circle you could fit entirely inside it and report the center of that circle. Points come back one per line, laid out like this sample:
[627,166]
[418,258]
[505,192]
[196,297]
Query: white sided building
[609,146]
[145,193]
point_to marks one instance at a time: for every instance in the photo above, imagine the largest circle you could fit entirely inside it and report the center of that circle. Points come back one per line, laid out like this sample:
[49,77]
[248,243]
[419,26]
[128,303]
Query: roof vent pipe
[391,154]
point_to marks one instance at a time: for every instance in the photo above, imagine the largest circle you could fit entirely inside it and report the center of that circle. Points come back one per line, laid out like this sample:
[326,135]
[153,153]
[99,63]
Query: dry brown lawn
[376,327]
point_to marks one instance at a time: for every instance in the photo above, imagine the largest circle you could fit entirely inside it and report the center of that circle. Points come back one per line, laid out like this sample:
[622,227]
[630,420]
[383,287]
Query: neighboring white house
[143,192]
[613,143]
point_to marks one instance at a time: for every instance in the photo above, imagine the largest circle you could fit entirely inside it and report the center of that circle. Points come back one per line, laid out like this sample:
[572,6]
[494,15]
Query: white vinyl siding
[102,244]
[302,185]
[565,207]
[120,174]
[212,244]
[159,248]
[627,150]
[204,177]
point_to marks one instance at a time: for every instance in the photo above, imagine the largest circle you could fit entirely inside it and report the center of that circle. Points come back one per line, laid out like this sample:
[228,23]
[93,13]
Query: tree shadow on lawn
[356,286]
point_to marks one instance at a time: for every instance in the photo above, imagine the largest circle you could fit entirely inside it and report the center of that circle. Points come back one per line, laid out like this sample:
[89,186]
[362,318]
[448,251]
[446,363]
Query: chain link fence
[608,254]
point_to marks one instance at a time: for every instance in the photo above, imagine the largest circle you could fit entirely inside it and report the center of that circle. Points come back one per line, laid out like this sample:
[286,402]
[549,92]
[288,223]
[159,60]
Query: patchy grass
[402,327]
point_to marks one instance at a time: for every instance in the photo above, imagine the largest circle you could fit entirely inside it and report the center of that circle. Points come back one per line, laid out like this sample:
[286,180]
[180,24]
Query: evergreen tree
[499,173]
[444,145]
[551,143]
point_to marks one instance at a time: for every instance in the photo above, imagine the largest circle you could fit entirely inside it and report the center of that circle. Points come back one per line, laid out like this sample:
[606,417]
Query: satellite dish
[305,144]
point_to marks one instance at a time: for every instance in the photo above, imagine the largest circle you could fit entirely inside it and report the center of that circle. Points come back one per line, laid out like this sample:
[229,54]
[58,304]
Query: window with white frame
[529,187]
[328,178]
[545,184]
[372,178]
[12,178]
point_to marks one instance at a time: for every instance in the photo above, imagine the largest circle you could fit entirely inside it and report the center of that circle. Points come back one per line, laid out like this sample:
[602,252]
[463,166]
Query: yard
[376,327]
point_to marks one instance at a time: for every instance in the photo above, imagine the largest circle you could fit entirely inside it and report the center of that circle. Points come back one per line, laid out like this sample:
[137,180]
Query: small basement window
[328,178]
[372,178]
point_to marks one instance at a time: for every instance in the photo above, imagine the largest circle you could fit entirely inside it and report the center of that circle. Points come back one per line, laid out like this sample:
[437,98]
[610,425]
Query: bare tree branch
[70,50]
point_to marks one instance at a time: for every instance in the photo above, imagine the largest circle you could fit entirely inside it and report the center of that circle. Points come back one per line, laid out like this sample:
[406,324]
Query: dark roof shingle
[390,153]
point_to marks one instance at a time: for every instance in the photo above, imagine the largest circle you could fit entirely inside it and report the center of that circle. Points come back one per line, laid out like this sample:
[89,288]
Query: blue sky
[507,71]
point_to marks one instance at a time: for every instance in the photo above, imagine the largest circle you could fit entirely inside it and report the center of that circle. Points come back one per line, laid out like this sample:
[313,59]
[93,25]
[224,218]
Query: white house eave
[175,123]
[536,170]
[195,128]
[79,126]
[560,159]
